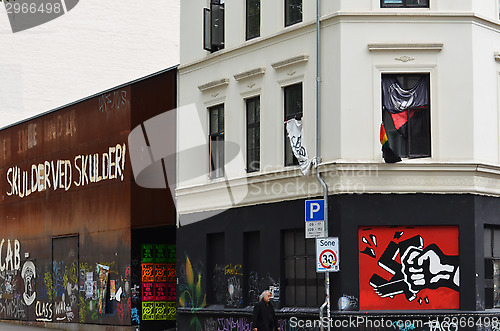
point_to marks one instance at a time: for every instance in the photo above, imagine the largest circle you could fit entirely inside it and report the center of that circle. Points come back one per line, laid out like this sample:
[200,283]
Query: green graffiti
[192,296]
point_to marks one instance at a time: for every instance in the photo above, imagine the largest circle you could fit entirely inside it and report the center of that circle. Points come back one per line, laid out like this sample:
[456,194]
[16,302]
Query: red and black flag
[400,102]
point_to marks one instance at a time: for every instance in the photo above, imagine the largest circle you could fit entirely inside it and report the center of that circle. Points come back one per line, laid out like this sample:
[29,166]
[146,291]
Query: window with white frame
[293,12]
[293,109]
[406,113]
[253,134]
[216,141]
[404,3]
[253,19]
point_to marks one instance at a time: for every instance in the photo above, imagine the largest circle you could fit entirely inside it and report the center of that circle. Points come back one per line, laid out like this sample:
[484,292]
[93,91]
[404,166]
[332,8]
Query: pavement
[13,327]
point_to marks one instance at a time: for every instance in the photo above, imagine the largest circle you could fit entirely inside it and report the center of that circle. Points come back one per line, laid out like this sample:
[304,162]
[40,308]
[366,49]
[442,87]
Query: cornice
[293,31]
[422,46]
[250,73]
[213,84]
[345,178]
[290,61]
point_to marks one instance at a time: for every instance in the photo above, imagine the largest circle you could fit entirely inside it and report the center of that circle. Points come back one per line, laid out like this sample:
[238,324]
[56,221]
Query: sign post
[315,218]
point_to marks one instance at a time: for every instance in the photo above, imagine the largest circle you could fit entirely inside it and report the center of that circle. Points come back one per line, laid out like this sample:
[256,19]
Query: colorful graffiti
[191,295]
[157,281]
[105,292]
[237,323]
[408,267]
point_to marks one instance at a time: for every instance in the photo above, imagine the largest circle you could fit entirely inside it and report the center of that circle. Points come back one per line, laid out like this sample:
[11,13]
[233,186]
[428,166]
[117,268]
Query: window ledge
[405,46]
[250,73]
[290,61]
[213,84]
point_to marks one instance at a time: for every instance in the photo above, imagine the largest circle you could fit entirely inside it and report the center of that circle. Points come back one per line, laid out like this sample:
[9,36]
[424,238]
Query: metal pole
[318,152]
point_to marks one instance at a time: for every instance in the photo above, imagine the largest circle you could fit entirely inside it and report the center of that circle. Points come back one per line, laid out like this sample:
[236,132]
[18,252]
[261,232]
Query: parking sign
[315,218]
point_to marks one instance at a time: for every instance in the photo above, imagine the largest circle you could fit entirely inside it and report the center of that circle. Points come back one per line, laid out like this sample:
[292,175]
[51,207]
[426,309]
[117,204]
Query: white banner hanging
[295,132]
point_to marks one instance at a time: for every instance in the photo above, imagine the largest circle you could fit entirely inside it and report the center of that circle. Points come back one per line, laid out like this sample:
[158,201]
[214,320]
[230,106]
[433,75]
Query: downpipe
[318,153]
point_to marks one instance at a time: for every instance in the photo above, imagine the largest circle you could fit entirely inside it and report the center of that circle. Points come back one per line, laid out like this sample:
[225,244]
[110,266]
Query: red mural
[408,267]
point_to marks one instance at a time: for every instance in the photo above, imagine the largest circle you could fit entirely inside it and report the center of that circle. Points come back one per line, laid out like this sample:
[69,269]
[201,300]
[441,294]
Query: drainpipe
[318,157]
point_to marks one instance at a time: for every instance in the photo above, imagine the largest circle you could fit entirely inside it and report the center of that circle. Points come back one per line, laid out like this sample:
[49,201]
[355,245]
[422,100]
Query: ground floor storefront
[400,256]
[79,281]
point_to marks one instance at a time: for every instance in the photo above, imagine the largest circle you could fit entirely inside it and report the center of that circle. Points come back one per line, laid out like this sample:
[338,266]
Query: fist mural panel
[404,268]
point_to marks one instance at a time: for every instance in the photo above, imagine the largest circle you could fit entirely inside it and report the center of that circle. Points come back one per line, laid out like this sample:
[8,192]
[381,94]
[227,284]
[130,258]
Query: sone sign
[327,254]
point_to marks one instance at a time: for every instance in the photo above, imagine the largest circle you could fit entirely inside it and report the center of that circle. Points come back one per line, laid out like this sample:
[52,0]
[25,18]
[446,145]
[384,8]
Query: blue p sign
[315,210]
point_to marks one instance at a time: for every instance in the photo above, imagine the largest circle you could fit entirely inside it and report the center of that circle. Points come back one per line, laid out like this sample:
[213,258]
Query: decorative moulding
[250,73]
[290,61]
[405,46]
[213,84]
[404,58]
[342,178]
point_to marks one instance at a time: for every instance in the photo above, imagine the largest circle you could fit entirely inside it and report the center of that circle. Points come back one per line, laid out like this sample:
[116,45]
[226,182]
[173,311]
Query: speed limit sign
[327,254]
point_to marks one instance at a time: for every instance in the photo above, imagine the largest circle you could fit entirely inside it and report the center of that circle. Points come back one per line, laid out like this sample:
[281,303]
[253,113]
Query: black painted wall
[346,214]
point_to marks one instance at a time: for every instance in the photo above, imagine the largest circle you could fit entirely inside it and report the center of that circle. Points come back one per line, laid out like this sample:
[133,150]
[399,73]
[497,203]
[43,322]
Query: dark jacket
[264,318]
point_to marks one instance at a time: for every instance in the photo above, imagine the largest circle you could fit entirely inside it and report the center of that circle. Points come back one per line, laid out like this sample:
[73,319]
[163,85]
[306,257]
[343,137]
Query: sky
[95,46]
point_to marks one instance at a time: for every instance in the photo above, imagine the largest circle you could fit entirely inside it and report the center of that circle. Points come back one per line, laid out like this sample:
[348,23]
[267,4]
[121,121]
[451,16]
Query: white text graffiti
[59,174]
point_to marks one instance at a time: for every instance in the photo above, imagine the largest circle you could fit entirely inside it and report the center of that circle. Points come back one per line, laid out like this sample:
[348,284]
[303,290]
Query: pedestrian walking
[264,318]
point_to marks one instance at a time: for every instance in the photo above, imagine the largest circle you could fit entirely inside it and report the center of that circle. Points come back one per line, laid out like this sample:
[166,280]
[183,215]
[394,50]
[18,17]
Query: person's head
[265,295]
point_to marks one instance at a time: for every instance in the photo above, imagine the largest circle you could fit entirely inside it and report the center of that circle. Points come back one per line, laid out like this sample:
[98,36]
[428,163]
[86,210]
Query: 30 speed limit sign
[327,254]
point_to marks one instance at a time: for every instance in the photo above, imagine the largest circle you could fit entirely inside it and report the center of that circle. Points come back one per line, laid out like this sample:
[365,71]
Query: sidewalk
[13,327]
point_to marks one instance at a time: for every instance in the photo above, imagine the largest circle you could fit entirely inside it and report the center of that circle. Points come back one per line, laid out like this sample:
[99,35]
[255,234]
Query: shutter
[207,40]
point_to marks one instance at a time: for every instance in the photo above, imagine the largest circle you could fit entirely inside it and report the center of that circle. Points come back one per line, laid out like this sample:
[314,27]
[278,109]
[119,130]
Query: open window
[213,26]
[293,109]
[406,114]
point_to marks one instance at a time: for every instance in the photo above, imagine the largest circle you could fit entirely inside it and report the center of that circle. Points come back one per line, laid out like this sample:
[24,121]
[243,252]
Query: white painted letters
[88,170]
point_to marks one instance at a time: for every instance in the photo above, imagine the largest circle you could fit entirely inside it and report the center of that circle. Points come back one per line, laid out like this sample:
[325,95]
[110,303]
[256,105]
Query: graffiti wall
[158,282]
[153,294]
[408,267]
[68,204]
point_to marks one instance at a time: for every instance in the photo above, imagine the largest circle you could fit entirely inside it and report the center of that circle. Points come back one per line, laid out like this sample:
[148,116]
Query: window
[216,141]
[406,114]
[213,25]
[253,19]
[492,267]
[253,134]
[293,109]
[217,288]
[404,3]
[304,287]
[293,12]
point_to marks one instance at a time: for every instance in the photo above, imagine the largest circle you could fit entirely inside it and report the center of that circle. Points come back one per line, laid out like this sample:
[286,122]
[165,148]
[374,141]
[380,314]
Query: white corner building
[429,70]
